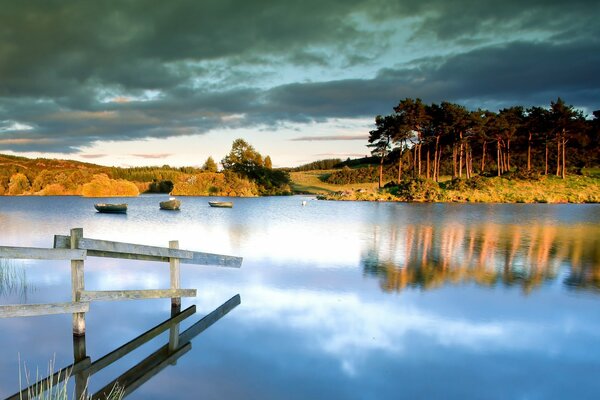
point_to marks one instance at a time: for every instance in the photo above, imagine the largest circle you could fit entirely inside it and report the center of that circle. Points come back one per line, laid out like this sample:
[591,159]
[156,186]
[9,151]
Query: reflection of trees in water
[13,280]
[428,256]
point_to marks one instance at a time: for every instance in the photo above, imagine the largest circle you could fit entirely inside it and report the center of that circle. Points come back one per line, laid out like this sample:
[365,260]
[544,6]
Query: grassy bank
[544,189]
[310,182]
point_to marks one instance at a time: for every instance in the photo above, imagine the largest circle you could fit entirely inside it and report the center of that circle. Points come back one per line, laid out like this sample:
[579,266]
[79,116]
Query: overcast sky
[172,82]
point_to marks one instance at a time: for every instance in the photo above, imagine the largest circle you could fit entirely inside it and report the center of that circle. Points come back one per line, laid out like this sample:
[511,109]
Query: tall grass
[55,386]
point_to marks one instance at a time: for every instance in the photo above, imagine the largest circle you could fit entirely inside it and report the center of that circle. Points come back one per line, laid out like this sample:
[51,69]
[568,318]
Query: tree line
[245,172]
[427,140]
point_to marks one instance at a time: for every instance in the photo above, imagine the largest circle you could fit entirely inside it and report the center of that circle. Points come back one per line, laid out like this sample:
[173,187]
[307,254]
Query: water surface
[338,299]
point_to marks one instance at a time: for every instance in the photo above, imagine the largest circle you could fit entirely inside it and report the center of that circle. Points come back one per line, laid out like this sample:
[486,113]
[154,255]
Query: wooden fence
[75,248]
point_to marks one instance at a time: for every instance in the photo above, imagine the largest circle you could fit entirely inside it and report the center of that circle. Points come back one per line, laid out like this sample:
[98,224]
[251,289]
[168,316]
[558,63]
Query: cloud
[92,156]
[152,156]
[181,68]
[329,138]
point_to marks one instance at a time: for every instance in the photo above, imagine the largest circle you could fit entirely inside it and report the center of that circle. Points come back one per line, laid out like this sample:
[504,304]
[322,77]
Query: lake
[338,300]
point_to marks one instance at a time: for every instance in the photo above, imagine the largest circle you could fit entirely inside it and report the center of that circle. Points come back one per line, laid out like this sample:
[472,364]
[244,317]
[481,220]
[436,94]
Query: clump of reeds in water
[13,280]
[55,386]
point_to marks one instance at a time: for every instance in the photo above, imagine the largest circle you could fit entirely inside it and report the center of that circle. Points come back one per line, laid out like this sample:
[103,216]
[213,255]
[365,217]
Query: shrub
[476,182]
[347,175]
[54,189]
[19,184]
[103,186]
[215,184]
[523,175]
[418,189]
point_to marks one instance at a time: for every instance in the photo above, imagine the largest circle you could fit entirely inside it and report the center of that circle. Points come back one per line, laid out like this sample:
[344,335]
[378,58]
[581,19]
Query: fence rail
[130,251]
[34,253]
[34,310]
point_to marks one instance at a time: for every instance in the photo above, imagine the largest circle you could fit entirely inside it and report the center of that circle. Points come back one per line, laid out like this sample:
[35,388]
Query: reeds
[55,386]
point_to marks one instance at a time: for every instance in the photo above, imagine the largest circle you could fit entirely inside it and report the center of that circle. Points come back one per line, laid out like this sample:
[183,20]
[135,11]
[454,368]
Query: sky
[132,83]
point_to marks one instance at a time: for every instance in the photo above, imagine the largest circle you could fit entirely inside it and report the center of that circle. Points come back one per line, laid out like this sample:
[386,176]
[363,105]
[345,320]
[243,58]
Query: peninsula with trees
[445,152]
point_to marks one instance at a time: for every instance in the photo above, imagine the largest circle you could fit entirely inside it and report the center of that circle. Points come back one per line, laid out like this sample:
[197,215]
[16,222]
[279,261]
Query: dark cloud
[77,72]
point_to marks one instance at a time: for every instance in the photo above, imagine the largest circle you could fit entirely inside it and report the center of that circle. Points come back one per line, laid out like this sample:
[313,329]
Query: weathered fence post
[174,270]
[175,301]
[77,283]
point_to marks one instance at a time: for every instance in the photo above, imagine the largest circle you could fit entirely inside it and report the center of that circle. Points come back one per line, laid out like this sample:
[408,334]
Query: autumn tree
[19,184]
[242,158]
[268,162]
[209,165]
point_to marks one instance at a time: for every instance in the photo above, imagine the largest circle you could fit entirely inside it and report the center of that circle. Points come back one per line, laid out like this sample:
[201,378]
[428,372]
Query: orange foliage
[103,186]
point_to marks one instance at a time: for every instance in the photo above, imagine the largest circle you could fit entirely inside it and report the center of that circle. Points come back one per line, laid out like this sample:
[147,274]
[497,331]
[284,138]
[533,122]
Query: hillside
[25,176]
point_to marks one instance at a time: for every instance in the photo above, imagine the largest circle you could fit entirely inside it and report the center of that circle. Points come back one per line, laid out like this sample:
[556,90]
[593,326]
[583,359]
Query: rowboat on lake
[171,204]
[221,204]
[111,208]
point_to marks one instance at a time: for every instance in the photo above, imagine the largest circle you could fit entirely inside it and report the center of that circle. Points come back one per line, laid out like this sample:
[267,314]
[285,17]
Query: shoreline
[574,189]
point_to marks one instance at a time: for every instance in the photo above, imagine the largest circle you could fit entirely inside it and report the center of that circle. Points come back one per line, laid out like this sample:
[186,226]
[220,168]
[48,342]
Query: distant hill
[42,177]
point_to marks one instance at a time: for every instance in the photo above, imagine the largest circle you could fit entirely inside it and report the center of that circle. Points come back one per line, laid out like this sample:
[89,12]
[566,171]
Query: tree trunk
[380,172]
[427,165]
[564,157]
[435,159]
[439,162]
[557,156]
[470,162]
[483,157]
[547,152]
[498,156]
[415,160]
[419,158]
[400,164]
[529,151]
[508,155]
[460,157]
[454,161]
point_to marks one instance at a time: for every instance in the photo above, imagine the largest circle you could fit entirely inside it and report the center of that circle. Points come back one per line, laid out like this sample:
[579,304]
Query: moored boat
[221,204]
[171,204]
[111,208]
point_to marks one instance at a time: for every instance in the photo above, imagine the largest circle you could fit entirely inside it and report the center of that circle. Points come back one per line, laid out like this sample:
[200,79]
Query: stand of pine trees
[429,140]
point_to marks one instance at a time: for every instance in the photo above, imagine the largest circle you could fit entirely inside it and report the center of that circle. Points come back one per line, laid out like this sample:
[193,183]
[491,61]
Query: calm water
[338,299]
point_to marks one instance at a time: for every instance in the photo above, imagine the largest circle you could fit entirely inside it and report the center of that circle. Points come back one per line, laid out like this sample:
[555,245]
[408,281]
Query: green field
[308,182]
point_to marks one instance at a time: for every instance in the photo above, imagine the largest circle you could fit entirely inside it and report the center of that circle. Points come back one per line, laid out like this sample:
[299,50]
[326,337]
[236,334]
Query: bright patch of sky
[11,126]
